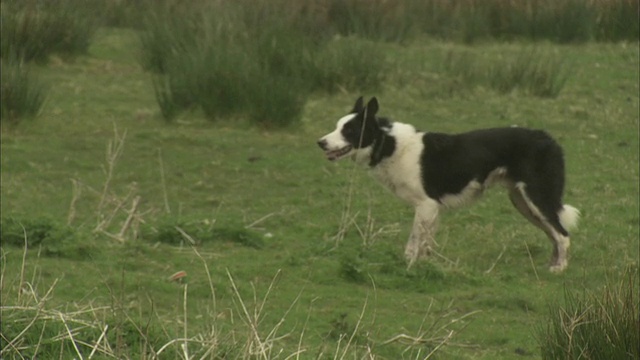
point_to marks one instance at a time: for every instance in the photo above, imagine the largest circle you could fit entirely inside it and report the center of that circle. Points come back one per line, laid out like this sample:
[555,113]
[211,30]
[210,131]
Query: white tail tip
[569,217]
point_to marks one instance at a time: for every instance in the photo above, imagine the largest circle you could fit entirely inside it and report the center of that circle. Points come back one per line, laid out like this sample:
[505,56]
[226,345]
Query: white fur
[474,189]
[569,217]
[334,140]
[399,172]
[520,186]
[422,238]
[469,194]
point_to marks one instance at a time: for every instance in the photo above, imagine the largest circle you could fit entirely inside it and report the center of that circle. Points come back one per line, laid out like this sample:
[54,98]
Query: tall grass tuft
[375,20]
[468,21]
[464,66]
[568,21]
[529,70]
[32,30]
[547,77]
[23,93]
[617,20]
[348,63]
[258,60]
[538,74]
[595,326]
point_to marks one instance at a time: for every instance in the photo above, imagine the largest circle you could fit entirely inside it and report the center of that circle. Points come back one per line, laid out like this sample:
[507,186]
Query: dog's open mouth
[337,154]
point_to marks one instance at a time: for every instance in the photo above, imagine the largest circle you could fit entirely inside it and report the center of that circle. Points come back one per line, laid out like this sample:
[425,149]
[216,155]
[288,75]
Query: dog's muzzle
[333,155]
[323,144]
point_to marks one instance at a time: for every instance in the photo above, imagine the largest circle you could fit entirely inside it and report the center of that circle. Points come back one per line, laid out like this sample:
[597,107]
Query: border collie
[435,171]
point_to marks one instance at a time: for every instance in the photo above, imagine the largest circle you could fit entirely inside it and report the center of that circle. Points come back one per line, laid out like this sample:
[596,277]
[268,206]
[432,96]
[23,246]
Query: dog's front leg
[421,240]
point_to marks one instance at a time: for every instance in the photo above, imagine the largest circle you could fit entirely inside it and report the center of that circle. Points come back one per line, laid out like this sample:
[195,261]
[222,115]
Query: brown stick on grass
[115,148]
[77,190]
[163,182]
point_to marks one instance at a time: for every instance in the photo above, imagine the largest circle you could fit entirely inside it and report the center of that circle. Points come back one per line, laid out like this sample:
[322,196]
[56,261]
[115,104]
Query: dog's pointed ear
[359,105]
[372,107]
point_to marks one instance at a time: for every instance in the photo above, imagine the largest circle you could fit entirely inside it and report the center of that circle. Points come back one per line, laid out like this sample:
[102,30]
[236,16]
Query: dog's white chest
[404,188]
[400,173]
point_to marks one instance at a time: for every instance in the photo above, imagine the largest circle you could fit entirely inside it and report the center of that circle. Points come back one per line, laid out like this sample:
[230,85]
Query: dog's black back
[531,157]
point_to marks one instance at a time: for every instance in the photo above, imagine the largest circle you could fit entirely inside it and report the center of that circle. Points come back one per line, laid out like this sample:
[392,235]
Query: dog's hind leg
[421,240]
[549,223]
[521,203]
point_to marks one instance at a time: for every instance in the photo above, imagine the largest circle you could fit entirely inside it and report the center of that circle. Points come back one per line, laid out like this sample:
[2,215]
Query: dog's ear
[359,106]
[372,107]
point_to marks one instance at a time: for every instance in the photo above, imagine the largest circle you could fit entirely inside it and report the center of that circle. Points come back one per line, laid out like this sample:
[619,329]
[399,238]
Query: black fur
[450,162]
[372,133]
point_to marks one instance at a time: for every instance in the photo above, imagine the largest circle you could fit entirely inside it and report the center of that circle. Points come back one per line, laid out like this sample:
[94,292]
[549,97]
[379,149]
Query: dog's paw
[425,252]
[411,252]
[412,255]
[558,266]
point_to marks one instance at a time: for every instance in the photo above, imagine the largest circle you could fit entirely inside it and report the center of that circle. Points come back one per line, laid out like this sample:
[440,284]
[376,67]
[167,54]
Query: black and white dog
[435,171]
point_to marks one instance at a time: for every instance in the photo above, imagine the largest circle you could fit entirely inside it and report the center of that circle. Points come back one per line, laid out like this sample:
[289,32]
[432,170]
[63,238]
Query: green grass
[595,326]
[23,93]
[265,207]
[35,30]
[525,69]
[257,61]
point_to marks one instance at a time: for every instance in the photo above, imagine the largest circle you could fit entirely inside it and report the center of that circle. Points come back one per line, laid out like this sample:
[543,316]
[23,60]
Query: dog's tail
[569,217]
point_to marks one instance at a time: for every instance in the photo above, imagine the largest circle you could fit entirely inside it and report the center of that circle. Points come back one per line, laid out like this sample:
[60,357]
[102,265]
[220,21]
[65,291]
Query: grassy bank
[295,256]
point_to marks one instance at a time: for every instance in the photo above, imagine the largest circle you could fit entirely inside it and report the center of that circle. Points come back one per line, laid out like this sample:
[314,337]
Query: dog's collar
[378,147]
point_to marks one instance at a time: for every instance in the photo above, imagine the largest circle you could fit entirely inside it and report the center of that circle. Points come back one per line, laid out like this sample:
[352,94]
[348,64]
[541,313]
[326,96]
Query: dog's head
[354,132]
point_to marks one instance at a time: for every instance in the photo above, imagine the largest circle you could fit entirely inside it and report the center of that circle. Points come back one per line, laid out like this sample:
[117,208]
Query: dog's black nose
[323,144]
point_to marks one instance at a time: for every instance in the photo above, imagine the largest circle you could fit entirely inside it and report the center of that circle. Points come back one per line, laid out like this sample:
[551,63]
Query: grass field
[298,257]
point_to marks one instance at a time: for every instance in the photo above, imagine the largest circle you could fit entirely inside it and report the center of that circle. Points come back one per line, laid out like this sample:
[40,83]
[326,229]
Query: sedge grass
[529,70]
[23,92]
[32,31]
[600,325]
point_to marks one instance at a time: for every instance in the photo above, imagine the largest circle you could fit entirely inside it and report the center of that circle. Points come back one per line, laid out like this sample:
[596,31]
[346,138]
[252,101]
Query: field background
[297,257]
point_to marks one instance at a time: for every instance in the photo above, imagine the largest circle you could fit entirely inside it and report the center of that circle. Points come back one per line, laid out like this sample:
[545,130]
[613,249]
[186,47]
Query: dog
[435,171]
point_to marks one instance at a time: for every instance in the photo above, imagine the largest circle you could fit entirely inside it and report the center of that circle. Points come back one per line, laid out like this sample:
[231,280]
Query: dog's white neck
[362,156]
[405,133]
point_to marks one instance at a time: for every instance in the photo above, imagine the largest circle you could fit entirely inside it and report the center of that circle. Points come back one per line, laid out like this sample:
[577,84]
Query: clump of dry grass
[34,327]
[118,216]
[602,325]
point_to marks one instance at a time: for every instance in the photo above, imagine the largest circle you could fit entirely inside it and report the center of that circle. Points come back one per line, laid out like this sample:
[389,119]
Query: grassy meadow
[289,256]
